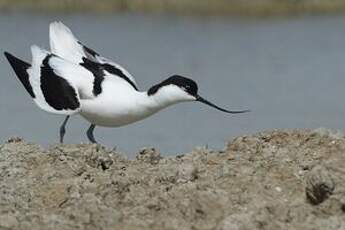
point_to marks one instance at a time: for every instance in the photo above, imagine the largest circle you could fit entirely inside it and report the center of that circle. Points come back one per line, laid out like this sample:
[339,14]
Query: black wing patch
[89,52]
[20,68]
[97,71]
[57,92]
[116,71]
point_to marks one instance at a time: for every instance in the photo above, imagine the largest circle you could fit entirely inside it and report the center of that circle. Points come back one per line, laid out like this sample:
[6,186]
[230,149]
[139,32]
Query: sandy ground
[272,180]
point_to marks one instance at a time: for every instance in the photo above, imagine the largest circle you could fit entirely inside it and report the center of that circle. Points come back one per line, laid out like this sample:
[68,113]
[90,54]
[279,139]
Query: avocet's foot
[63,129]
[89,134]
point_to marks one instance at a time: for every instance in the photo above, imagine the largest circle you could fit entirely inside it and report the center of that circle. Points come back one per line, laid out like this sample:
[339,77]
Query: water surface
[289,72]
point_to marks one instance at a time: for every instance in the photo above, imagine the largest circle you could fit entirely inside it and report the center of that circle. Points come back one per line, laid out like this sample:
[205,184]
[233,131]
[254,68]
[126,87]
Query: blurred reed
[203,7]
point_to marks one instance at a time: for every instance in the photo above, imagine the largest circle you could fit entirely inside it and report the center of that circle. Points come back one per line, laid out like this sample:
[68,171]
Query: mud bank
[272,180]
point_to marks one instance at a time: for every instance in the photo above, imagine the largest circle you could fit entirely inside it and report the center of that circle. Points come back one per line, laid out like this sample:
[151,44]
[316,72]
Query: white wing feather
[79,77]
[64,44]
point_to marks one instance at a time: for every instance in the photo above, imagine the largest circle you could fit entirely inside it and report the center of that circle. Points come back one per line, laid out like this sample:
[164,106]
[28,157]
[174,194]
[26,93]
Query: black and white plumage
[64,44]
[74,79]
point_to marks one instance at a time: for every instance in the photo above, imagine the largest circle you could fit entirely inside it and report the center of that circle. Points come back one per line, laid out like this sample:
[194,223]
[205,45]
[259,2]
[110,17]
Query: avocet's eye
[186,88]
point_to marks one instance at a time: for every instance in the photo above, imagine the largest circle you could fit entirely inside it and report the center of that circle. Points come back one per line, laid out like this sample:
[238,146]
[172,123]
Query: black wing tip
[20,67]
[14,60]
[8,55]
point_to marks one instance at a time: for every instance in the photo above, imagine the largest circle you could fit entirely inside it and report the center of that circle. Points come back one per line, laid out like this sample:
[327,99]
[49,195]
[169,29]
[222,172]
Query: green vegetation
[211,7]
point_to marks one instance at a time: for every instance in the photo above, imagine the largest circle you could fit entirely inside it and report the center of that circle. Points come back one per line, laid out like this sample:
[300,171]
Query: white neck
[163,98]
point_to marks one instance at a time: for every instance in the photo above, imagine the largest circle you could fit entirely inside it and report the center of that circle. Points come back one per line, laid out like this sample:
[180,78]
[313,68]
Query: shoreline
[257,8]
[280,179]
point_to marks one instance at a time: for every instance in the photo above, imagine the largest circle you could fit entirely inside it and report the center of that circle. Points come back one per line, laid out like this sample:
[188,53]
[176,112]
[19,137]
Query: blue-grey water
[289,72]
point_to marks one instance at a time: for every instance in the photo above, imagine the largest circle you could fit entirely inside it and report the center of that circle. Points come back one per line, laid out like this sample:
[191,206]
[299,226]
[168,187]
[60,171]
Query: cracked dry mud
[272,180]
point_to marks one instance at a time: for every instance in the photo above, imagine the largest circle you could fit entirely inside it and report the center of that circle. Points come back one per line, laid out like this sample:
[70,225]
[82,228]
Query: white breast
[118,104]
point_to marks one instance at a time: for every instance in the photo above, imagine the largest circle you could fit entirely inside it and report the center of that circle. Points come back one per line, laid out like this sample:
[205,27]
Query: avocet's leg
[63,129]
[89,133]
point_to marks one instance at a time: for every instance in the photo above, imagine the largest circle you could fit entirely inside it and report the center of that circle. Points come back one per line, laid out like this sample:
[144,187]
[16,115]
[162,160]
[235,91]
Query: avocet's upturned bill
[74,79]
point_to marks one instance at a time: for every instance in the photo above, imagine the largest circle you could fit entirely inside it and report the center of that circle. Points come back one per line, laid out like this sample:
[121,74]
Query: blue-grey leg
[89,133]
[63,129]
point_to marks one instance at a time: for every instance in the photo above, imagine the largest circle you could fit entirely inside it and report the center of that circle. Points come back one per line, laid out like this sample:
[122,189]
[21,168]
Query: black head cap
[184,83]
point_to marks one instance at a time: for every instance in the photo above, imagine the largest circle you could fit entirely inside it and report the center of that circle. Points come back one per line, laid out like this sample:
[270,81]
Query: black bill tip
[202,100]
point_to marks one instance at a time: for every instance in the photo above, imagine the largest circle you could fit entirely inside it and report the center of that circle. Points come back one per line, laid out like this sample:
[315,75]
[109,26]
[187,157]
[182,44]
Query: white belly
[112,119]
[113,114]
